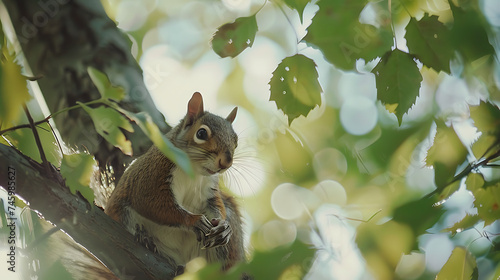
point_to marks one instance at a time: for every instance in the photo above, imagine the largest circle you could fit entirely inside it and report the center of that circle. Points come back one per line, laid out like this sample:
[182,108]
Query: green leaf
[107,122]
[469,34]
[295,87]
[429,40]
[337,32]
[272,264]
[104,86]
[178,156]
[398,82]
[233,38]
[382,245]
[298,5]
[445,154]
[486,117]
[487,202]
[13,92]
[77,169]
[460,266]
[24,141]
[474,181]
[419,215]
[467,222]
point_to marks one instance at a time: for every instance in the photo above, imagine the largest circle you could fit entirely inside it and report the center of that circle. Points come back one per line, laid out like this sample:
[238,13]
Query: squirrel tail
[57,255]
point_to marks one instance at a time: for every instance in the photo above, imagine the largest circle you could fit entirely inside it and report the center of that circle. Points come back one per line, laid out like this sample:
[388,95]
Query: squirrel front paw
[219,235]
[202,228]
[213,233]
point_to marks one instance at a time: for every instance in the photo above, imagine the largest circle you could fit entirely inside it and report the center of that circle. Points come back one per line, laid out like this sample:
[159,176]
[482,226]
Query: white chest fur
[192,193]
[179,242]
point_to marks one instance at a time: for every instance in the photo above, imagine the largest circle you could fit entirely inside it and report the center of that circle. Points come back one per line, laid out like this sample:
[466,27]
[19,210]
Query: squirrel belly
[180,243]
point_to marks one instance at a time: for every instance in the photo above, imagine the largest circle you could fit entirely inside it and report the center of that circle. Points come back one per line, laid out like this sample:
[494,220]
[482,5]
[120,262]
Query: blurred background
[335,178]
[322,176]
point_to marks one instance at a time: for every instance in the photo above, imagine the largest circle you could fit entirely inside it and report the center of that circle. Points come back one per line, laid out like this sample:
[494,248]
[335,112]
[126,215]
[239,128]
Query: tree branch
[93,229]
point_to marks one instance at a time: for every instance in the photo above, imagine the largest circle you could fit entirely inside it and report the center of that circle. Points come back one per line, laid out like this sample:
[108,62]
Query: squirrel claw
[219,235]
[202,228]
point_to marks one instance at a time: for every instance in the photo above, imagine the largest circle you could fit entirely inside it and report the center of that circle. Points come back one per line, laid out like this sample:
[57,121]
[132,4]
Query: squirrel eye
[202,134]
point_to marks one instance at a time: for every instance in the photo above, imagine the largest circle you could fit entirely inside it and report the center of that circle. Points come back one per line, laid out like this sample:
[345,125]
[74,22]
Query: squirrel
[178,216]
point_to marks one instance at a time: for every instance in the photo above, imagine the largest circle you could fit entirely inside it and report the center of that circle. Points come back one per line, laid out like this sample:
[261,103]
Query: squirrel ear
[195,106]
[230,118]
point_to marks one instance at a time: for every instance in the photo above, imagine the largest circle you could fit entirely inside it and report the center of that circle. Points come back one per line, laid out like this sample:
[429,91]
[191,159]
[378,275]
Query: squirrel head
[208,139]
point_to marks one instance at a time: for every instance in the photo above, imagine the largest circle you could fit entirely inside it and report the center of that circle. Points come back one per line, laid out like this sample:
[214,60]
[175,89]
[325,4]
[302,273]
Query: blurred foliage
[429,166]
[430,42]
[293,261]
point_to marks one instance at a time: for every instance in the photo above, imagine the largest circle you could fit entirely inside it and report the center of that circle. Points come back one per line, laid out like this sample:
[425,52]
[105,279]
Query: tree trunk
[60,39]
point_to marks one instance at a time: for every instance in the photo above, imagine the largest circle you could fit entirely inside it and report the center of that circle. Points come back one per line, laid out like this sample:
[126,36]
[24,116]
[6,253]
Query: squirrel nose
[225,160]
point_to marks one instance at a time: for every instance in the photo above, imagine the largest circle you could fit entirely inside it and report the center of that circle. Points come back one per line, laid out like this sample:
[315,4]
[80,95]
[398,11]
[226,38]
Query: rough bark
[60,39]
[86,224]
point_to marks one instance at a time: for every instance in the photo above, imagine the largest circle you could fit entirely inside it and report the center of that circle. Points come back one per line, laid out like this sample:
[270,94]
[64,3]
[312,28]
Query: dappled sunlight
[368,131]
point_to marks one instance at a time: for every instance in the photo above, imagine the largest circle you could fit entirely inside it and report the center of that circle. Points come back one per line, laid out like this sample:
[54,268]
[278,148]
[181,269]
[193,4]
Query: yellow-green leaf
[445,155]
[104,86]
[487,202]
[107,122]
[486,118]
[152,131]
[77,169]
[467,222]
[474,181]
[13,92]
[460,266]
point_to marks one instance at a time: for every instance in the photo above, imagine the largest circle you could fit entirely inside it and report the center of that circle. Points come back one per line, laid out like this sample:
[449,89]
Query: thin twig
[45,163]
[100,100]
[466,171]
[23,126]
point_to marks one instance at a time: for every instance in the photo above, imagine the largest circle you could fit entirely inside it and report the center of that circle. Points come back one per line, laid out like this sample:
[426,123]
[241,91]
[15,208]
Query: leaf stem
[45,163]
[100,100]
[291,25]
